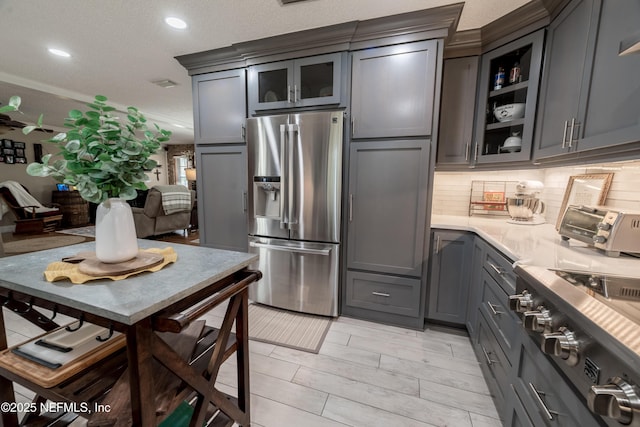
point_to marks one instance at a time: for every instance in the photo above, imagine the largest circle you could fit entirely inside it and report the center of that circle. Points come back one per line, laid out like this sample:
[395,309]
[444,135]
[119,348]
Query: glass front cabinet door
[303,82]
[508,93]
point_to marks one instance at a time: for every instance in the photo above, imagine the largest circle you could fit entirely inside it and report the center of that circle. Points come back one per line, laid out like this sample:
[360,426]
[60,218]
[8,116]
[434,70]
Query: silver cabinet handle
[475,155]
[350,207]
[492,308]
[244,133]
[498,270]
[437,245]
[381,294]
[244,201]
[467,150]
[573,124]
[536,394]
[564,134]
[295,93]
[290,249]
[353,127]
[289,93]
[490,361]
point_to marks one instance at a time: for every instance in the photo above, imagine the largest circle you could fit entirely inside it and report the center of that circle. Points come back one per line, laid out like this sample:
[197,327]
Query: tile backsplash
[452,190]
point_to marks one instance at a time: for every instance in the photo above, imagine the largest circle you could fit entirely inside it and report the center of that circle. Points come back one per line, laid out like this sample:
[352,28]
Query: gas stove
[589,326]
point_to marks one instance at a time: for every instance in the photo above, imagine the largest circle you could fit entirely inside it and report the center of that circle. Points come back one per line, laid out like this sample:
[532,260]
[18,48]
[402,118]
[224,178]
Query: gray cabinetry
[509,79]
[393,90]
[304,82]
[219,106]
[448,282]
[475,287]
[386,227]
[455,140]
[387,206]
[548,398]
[568,64]
[614,92]
[222,203]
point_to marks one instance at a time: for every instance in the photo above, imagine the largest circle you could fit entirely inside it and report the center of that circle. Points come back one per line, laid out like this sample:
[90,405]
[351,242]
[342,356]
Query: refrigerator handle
[292,190]
[284,177]
[310,251]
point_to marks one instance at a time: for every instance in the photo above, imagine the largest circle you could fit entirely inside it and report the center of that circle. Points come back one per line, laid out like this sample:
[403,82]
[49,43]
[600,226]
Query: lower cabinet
[222,203]
[526,388]
[386,262]
[547,398]
[448,282]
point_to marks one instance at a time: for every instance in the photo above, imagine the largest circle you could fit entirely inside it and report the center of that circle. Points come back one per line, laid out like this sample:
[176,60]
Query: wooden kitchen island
[152,311]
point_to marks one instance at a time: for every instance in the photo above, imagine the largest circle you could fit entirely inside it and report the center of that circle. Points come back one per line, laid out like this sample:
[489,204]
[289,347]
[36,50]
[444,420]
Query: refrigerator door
[315,139]
[266,141]
[298,276]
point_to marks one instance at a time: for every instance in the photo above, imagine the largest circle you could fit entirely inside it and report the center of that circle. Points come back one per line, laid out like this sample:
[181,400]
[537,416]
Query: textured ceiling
[119,47]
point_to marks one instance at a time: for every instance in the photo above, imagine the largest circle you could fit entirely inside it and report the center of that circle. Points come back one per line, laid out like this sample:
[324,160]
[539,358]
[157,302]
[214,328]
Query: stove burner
[609,286]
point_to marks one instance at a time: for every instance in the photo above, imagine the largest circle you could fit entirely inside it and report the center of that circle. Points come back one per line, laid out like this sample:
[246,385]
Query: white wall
[452,190]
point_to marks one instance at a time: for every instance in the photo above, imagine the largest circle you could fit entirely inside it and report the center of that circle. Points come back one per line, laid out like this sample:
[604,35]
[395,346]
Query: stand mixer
[525,207]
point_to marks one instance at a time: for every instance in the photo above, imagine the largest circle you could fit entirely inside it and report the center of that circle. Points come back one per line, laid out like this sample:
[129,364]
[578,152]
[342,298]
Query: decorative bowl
[507,112]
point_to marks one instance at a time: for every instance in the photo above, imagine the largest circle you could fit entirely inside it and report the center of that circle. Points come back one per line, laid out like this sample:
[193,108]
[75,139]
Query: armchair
[31,215]
[151,220]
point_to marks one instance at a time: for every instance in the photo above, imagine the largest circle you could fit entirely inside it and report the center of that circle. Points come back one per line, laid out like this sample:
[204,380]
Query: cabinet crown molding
[439,22]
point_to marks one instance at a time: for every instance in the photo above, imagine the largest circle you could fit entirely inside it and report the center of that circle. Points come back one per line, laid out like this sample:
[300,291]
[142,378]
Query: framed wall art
[587,190]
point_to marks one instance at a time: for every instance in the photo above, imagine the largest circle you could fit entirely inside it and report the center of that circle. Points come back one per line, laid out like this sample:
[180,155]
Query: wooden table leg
[242,353]
[7,417]
[140,359]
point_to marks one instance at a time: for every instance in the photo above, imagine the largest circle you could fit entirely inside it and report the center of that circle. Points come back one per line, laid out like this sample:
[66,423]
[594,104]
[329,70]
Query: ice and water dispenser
[266,196]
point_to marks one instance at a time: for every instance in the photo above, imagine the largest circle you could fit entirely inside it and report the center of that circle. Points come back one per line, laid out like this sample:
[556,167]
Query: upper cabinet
[303,82]
[393,90]
[567,70]
[219,106]
[591,94]
[507,99]
[457,108]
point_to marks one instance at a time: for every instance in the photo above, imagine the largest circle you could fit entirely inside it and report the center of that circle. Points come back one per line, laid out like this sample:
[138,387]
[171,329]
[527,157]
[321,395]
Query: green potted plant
[105,158]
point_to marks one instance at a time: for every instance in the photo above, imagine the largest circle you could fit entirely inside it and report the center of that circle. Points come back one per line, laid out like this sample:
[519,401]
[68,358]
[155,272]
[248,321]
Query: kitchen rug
[304,332]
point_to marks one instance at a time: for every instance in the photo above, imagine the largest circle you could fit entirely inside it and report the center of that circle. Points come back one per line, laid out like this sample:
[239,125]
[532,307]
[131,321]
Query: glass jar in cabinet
[507,96]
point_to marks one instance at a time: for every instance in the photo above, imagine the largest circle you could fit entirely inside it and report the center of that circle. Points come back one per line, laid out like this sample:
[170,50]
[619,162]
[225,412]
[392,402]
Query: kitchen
[450,192]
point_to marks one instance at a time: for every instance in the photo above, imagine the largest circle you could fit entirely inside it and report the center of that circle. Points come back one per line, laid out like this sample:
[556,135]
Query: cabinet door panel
[387,206]
[393,90]
[457,110]
[318,80]
[220,107]
[449,286]
[614,95]
[566,64]
[222,204]
[270,86]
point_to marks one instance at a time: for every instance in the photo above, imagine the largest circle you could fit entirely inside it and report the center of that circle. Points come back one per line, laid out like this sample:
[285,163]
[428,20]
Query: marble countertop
[540,246]
[129,300]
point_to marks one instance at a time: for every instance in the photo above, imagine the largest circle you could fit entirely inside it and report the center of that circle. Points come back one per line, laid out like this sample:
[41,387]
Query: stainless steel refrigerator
[295,179]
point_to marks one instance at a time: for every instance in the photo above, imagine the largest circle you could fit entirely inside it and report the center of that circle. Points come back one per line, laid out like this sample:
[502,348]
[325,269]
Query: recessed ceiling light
[59,52]
[179,126]
[166,83]
[175,22]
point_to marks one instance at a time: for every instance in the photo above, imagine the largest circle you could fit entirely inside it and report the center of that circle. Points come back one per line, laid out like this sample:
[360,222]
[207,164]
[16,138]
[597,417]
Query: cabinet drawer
[548,399]
[493,362]
[500,268]
[398,295]
[501,320]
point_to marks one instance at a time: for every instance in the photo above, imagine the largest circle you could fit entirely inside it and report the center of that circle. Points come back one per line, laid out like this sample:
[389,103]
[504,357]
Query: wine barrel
[74,209]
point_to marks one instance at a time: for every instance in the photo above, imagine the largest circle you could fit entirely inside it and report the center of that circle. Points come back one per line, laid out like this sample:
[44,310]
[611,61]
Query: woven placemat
[60,270]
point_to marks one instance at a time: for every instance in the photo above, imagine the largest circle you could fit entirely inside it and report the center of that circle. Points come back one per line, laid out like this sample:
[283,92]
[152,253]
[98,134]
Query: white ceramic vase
[115,232]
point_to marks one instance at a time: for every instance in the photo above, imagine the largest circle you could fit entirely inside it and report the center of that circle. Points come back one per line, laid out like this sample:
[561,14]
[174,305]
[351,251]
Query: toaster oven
[611,230]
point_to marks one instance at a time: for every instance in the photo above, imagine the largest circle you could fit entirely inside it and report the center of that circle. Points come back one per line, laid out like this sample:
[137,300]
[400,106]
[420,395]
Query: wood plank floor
[366,374]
